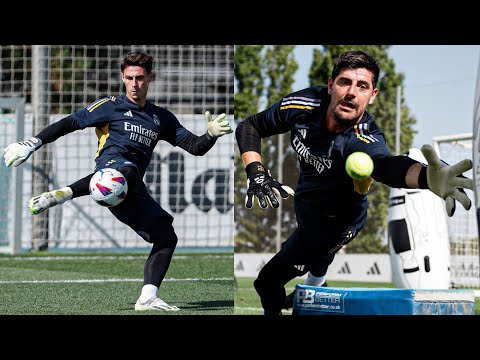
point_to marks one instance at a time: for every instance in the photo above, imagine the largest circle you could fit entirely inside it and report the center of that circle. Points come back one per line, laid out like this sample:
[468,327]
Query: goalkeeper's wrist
[34,142]
[255,167]
[422,178]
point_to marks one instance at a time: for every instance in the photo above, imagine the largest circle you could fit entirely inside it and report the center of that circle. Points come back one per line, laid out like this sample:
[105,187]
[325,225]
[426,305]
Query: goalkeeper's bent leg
[158,262]
[270,283]
[164,243]
[311,281]
[42,202]
[81,187]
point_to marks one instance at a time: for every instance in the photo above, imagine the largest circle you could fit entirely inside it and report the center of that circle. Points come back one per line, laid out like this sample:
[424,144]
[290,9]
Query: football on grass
[108,187]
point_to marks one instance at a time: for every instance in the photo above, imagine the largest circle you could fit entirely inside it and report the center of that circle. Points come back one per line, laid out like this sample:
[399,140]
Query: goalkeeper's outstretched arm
[200,145]
[440,178]
[18,153]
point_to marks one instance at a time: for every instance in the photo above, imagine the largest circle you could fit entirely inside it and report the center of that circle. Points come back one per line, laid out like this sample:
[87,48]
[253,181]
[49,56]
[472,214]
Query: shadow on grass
[209,305]
[198,305]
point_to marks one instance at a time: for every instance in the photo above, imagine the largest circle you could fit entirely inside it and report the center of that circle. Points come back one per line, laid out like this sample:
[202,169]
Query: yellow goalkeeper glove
[219,126]
[17,153]
[447,181]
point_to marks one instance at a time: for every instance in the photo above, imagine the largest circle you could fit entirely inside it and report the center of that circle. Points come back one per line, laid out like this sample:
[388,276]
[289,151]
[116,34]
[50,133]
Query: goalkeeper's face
[136,82]
[352,90]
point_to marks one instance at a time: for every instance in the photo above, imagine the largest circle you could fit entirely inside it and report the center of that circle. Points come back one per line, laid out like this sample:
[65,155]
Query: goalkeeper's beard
[346,119]
[342,120]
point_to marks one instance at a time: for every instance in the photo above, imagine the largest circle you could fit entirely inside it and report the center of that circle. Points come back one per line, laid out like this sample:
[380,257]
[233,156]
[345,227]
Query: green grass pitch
[54,283]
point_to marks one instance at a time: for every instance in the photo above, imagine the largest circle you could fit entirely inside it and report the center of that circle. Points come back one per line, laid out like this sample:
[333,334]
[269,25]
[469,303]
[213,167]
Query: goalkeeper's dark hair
[137,58]
[356,60]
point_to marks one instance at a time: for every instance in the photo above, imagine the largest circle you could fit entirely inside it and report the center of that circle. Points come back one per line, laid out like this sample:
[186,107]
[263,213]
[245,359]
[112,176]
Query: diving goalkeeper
[128,129]
[327,124]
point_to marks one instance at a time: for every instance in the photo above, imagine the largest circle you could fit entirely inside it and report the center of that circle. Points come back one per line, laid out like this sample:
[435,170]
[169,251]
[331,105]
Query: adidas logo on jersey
[128,113]
[299,267]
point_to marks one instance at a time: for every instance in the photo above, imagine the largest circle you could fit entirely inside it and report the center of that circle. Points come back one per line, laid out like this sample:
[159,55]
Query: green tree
[248,70]
[281,68]
[71,73]
[384,111]
[256,228]
[249,77]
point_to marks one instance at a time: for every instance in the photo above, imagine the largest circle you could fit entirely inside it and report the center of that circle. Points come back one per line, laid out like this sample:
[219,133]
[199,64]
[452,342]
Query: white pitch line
[51,258]
[260,310]
[97,257]
[248,308]
[253,289]
[80,281]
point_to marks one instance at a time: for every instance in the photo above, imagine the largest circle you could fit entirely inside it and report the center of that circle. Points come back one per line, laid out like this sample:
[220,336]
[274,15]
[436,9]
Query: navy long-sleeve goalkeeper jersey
[322,154]
[127,133]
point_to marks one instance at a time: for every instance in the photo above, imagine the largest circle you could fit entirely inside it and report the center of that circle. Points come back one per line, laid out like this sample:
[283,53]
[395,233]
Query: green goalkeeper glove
[447,181]
[17,153]
[217,127]
[261,185]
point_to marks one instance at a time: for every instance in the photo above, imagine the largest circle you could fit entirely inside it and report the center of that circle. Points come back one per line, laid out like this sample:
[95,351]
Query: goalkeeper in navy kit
[326,125]
[128,129]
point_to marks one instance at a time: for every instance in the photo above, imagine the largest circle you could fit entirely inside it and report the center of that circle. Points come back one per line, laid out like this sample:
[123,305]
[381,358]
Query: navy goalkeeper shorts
[142,213]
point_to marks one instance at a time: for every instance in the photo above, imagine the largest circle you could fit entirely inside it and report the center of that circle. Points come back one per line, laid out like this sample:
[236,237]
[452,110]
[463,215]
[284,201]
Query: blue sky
[439,85]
